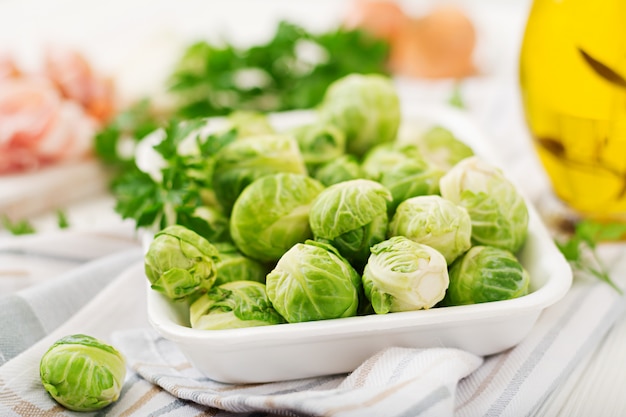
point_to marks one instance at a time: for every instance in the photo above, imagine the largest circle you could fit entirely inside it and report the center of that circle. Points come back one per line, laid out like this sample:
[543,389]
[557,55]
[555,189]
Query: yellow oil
[573,84]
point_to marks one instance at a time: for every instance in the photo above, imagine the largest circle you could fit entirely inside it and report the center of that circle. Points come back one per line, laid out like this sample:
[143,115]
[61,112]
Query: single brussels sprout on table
[241,162]
[365,107]
[498,211]
[343,168]
[233,305]
[351,216]
[82,373]
[272,214]
[403,171]
[485,274]
[180,262]
[319,143]
[436,222]
[235,266]
[403,275]
[441,148]
[312,281]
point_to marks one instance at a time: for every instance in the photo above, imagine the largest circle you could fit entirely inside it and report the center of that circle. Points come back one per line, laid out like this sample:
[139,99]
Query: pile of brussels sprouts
[339,218]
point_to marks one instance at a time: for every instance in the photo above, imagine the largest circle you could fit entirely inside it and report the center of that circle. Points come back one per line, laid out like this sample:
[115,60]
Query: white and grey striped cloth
[104,295]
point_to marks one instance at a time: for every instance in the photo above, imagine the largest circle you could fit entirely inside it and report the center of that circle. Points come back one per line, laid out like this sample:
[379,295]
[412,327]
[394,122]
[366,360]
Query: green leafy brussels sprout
[180,262]
[343,168]
[312,281]
[241,162]
[441,148]
[365,107]
[319,143]
[249,123]
[351,216]
[498,212]
[403,275]
[402,170]
[272,214]
[436,222]
[209,222]
[484,274]
[82,373]
[233,305]
[234,266]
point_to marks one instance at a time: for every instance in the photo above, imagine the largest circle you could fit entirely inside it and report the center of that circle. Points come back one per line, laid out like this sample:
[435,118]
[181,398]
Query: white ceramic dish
[299,350]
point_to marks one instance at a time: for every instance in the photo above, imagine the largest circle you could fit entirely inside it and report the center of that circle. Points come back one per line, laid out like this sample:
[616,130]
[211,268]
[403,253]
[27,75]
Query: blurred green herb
[17,227]
[183,188]
[580,248]
[62,221]
[456,99]
[130,125]
[291,71]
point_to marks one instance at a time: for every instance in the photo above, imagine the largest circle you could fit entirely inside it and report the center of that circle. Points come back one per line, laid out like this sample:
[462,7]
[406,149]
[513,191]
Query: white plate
[299,350]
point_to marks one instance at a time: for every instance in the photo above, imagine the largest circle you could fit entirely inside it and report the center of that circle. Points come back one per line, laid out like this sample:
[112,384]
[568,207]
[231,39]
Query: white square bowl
[300,350]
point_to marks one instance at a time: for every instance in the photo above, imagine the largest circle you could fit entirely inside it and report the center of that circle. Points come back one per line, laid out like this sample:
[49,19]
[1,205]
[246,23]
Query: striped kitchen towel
[393,382]
[45,278]
[397,382]
[30,314]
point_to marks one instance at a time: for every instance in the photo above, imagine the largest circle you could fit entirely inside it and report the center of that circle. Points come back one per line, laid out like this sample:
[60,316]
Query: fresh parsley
[17,227]
[183,193]
[130,125]
[291,71]
[62,221]
[456,98]
[580,248]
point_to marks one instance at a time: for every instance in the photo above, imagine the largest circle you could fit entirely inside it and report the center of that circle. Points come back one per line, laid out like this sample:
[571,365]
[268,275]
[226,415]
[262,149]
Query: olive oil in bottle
[573,85]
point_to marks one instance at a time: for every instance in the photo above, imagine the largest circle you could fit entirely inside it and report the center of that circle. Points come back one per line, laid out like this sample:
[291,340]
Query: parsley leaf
[580,248]
[456,99]
[17,227]
[132,124]
[62,221]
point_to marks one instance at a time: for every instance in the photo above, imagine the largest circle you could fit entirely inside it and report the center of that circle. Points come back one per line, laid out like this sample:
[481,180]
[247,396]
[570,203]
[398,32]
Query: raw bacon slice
[8,67]
[38,127]
[77,80]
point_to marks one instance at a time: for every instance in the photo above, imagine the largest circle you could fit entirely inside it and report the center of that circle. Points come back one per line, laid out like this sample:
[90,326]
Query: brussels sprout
[233,305]
[344,168]
[441,148]
[272,214]
[82,373]
[213,134]
[234,266]
[498,212]
[180,262]
[403,275]
[241,162]
[319,143]
[312,281]
[352,216]
[403,171]
[365,107]
[484,274]
[210,223]
[436,222]
[249,123]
